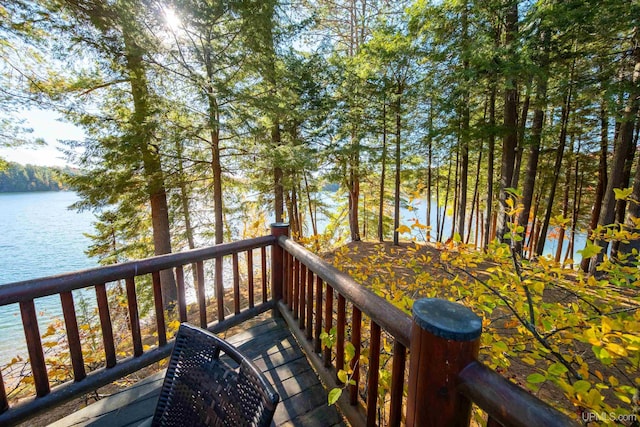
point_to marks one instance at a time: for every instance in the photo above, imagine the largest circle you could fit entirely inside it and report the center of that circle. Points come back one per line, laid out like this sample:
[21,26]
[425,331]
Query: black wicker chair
[201,388]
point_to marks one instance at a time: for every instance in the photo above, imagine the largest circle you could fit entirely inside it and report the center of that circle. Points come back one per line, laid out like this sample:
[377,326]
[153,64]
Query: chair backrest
[201,388]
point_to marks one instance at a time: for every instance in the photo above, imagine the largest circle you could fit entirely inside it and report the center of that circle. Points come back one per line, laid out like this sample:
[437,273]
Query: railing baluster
[250,277]
[296,288]
[202,297]
[219,289]
[309,329]
[291,265]
[105,325]
[318,325]
[328,324]
[286,265]
[182,300]
[157,298]
[73,335]
[397,383]
[356,338]
[134,318]
[236,284]
[340,333]
[302,295]
[374,374]
[34,345]
[4,403]
[263,256]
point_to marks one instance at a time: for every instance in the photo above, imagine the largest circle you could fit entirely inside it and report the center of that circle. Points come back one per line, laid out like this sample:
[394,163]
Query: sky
[49,126]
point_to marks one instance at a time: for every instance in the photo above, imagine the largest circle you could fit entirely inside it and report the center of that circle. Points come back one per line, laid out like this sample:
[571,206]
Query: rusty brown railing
[25,293]
[434,377]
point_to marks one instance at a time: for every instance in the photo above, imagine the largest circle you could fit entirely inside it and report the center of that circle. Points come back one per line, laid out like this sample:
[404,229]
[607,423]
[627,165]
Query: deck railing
[439,383]
[208,295]
[435,387]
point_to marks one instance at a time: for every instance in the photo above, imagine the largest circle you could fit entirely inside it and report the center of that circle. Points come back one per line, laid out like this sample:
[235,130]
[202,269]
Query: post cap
[446,319]
[279,225]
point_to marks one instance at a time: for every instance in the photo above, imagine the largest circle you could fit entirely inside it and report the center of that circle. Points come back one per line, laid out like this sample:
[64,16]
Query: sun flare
[171,18]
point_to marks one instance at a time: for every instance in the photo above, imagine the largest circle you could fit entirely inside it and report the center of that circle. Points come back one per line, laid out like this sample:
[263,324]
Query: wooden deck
[303,399]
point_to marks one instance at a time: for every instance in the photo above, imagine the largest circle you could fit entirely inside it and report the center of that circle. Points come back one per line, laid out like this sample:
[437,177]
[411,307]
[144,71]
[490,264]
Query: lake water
[40,237]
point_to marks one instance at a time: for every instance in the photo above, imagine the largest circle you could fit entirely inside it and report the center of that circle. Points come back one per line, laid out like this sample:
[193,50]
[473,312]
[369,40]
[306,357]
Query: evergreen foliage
[18,178]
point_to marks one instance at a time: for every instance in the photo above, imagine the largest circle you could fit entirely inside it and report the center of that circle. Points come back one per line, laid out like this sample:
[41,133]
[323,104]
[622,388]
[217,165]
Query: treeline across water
[15,178]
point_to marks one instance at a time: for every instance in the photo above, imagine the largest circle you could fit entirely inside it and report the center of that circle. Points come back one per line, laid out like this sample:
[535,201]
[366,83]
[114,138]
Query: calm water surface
[39,237]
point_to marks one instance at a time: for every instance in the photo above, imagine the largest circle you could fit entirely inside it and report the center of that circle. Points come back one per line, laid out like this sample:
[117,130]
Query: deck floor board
[303,399]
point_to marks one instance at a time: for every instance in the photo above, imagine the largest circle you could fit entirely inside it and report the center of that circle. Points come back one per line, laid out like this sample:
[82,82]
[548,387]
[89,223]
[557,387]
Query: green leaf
[350,351]
[581,386]
[622,397]
[536,378]
[334,395]
[500,346]
[342,376]
[622,193]
[590,250]
[557,369]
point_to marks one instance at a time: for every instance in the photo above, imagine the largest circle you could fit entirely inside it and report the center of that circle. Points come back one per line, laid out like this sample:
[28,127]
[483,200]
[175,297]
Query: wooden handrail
[30,289]
[505,402]
[389,317]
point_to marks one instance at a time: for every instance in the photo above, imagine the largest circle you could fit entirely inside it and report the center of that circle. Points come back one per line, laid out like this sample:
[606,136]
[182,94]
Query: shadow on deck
[303,399]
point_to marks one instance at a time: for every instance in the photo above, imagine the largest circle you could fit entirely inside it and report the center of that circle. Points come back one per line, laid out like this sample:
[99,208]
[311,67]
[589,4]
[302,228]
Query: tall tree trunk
[621,204]
[446,200]
[216,169]
[602,178]
[396,206]
[429,169]
[577,202]
[475,199]
[510,139]
[464,125]
[490,162]
[312,216]
[566,112]
[143,125]
[633,213]
[383,172]
[278,188]
[184,196]
[536,137]
[184,202]
[565,205]
[535,224]
[353,186]
[456,189]
[522,122]
[624,140]
[438,232]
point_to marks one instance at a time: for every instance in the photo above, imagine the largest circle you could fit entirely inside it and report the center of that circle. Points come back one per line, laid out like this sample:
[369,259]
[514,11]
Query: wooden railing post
[444,340]
[277,261]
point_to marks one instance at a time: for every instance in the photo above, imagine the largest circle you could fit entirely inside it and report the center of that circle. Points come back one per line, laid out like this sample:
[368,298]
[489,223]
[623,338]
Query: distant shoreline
[17,178]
